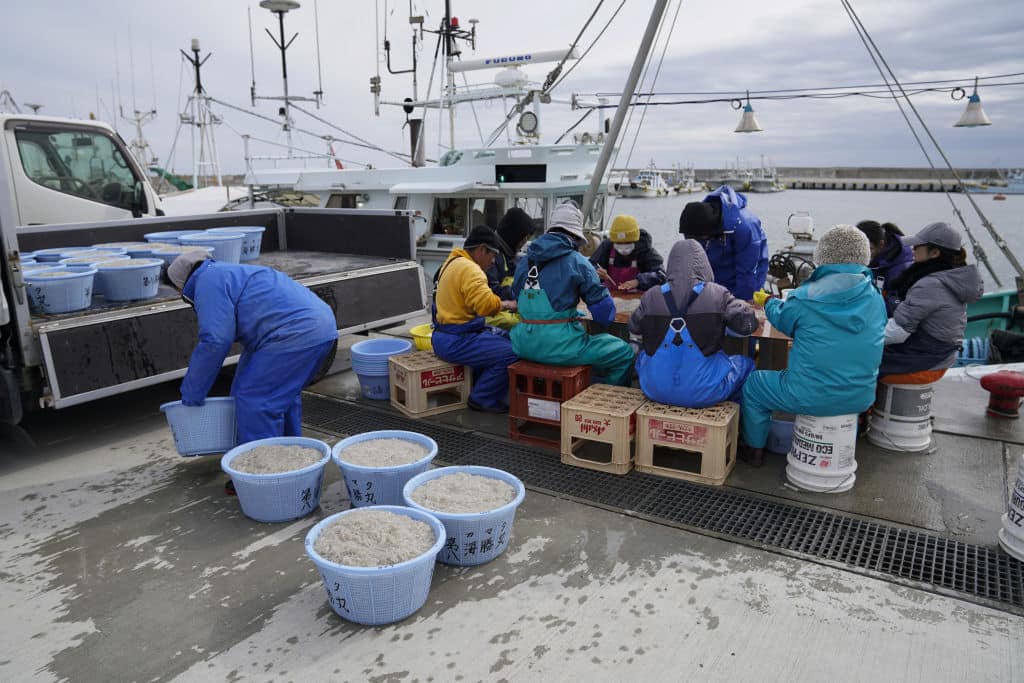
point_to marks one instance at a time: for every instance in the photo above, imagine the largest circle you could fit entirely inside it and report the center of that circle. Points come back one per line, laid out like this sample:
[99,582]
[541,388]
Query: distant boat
[999,197]
[765,179]
[737,179]
[1011,183]
[645,184]
[687,182]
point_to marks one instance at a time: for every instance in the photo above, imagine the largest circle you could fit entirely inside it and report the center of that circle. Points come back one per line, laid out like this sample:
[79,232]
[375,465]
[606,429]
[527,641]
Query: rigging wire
[976,248]
[573,126]
[590,47]
[1000,242]
[472,107]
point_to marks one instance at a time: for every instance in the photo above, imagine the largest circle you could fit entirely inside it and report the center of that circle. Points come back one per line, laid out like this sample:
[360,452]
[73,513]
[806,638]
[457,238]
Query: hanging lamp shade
[974,115]
[748,123]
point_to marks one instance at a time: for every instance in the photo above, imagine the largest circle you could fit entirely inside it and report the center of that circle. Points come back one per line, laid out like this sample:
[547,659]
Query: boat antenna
[7,102]
[200,120]
[319,92]
[280,8]
[620,112]
[979,253]
[252,61]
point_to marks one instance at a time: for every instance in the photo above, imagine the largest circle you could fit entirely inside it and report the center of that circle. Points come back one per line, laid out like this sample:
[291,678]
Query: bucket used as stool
[823,456]
[901,419]
[1011,536]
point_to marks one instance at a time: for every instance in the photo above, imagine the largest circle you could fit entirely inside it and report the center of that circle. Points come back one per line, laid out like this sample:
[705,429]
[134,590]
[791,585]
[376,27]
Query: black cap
[515,226]
[700,219]
[482,235]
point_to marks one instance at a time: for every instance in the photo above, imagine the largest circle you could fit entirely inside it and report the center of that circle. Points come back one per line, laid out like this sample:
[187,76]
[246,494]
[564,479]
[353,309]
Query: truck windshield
[85,164]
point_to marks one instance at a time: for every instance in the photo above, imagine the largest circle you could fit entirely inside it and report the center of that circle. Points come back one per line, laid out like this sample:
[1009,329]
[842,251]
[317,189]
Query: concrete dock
[123,561]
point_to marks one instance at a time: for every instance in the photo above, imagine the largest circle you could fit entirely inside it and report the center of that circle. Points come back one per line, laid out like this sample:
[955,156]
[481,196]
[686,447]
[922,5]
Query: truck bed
[299,265]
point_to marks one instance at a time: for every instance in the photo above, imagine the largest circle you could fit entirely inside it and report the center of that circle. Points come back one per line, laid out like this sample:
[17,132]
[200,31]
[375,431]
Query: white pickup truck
[66,184]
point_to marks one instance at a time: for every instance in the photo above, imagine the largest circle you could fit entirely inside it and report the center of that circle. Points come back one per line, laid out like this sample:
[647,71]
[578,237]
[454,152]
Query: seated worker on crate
[626,260]
[681,325]
[288,337]
[549,283]
[837,321]
[462,300]
[514,228]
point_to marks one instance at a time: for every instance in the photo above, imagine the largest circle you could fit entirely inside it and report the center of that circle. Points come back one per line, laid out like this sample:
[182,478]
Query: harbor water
[909,210]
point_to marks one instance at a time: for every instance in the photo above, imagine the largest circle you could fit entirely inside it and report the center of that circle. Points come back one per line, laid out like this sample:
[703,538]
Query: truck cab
[63,170]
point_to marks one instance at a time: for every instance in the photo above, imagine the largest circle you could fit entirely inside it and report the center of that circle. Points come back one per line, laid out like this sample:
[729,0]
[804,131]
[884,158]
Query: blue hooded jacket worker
[549,283]
[462,300]
[837,321]
[288,336]
[732,237]
[682,325]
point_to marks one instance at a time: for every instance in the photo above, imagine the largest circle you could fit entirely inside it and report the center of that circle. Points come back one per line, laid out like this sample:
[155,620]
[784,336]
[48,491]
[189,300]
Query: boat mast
[620,112]
[449,50]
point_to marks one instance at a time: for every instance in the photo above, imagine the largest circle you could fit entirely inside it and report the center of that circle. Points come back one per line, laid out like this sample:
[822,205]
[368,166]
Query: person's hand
[761,296]
[628,285]
[194,404]
[603,274]
[509,305]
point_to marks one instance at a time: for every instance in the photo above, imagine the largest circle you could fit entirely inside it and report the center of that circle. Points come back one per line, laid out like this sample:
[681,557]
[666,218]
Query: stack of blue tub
[227,246]
[252,242]
[370,362]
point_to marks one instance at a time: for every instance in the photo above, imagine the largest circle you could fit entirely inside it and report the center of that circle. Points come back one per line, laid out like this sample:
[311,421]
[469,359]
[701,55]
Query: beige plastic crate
[704,439]
[600,414]
[422,384]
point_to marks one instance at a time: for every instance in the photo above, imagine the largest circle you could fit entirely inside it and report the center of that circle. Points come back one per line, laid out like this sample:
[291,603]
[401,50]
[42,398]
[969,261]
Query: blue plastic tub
[57,253]
[251,243]
[169,253]
[202,430]
[227,246]
[27,256]
[37,267]
[146,249]
[59,290]
[472,538]
[377,595]
[127,280]
[282,496]
[86,260]
[375,387]
[780,435]
[169,236]
[381,485]
[119,247]
[117,251]
[370,357]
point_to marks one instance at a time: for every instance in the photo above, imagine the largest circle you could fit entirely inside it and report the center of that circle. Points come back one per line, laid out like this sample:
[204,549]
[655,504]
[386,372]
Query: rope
[984,220]
[593,43]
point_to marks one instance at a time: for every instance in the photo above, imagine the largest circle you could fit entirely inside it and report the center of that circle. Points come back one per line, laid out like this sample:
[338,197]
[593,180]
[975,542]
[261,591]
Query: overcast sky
[63,55]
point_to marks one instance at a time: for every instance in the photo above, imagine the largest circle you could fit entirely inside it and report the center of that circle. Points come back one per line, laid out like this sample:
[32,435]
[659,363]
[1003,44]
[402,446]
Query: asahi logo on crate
[591,425]
[674,432]
[439,378]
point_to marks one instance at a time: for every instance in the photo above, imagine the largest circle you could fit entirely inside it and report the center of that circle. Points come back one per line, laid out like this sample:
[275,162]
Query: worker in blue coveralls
[733,238]
[462,301]
[681,326]
[288,337]
[550,281]
[837,321]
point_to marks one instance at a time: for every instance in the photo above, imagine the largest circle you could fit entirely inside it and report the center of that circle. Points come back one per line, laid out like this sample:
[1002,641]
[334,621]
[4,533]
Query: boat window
[402,202]
[449,216]
[486,212]
[576,199]
[536,208]
[87,164]
[343,201]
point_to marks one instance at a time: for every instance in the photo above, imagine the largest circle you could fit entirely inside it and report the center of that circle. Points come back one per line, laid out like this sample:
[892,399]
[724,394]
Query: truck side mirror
[138,200]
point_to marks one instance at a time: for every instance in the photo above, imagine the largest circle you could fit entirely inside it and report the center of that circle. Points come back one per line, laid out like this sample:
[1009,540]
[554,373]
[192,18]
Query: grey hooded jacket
[934,317]
[707,316]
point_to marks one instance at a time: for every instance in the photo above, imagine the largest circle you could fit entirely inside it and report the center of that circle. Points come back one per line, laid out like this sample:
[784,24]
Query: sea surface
[909,210]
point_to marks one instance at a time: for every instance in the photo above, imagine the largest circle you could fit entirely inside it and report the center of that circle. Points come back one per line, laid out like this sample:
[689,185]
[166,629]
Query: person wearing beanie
[733,238]
[837,321]
[514,228]
[627,259]
[549,283]
[930,297]
[462,301]
[287,333]
[681,326]
[889,256]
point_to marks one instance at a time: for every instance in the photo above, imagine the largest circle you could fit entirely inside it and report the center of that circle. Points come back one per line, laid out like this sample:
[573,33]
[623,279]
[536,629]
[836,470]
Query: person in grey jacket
[931,296]
[681,325]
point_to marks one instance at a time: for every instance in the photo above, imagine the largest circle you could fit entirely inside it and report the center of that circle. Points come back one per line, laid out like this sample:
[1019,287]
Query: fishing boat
[765,179]
[646,184]
[1010,182]
[686,181]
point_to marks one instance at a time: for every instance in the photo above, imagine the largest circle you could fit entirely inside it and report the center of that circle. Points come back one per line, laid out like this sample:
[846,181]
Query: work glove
[194,404]
[761,296]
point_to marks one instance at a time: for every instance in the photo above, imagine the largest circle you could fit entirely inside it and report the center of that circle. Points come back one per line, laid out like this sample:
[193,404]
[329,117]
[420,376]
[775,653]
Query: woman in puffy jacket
[931,298]
[890,256]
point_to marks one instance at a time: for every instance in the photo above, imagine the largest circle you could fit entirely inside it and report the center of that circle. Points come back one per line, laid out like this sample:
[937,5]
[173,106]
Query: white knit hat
[843,244]
[568,218]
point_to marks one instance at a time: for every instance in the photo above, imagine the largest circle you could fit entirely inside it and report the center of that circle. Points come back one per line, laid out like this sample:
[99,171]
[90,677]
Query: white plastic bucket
[901,419]
[1011,536]
[823,455]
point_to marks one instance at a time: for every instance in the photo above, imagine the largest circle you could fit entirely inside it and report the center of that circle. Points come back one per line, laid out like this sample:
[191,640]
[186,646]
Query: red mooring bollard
[1007,388]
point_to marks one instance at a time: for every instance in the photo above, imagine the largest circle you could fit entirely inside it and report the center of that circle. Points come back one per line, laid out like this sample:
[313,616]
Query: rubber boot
[752,456]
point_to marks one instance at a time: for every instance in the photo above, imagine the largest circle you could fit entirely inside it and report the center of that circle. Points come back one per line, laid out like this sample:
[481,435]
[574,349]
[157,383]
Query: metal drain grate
[963,568]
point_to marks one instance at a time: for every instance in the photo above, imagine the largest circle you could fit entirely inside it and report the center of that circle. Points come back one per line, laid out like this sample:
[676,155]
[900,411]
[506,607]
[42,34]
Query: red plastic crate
[536,393]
